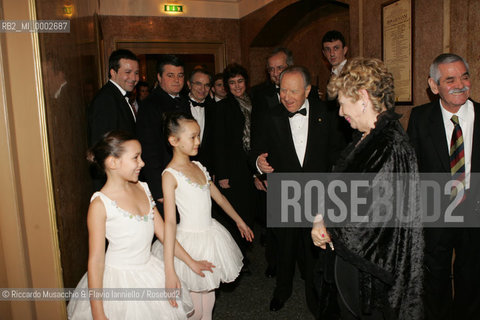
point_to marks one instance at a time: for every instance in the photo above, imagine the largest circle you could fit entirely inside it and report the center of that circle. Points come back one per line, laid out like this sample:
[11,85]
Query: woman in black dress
[378,268]
[232,144]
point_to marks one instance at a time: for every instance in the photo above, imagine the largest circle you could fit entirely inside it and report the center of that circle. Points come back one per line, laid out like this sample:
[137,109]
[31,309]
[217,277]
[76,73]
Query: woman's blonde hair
[369,74]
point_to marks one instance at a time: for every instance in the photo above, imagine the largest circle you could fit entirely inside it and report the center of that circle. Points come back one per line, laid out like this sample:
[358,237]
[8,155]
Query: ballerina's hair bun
[171,122]
[110,145]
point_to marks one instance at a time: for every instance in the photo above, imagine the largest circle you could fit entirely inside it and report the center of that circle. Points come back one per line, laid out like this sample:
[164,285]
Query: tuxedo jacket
[156,152]
[109,111]
[274,136]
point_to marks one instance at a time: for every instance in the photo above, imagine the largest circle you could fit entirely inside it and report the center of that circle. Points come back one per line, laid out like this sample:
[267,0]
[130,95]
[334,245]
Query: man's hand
[224,183]
[259,184]
[263,164]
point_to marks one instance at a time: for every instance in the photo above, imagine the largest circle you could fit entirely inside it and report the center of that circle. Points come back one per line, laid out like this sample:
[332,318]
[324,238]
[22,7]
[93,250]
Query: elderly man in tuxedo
[202,108]
[299,135]
[164,98]
[438,130]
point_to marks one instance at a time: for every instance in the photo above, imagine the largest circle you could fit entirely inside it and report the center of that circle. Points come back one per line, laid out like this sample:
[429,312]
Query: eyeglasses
[199,84]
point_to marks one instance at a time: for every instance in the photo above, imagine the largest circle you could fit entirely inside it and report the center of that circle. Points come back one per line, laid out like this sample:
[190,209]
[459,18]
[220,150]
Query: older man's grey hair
[302,70]
[441,59]
[285,51]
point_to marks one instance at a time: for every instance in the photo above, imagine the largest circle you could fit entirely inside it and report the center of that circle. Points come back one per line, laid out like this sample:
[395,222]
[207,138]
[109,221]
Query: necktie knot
[454,119]
[303,112]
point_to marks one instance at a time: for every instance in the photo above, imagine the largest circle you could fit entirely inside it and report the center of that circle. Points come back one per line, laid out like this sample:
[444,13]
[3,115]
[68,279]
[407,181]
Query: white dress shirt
[199,114]
[466,119]
[126,98]
[299,129]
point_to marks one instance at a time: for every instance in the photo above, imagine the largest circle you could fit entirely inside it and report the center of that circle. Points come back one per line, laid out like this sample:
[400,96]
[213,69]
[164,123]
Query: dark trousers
[271,245]
[439,246]
[295,244]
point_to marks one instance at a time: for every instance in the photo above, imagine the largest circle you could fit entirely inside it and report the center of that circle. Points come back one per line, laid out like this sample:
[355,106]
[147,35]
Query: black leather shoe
[276,304]
[270,272]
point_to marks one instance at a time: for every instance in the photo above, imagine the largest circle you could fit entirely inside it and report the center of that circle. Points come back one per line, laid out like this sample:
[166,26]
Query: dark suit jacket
[155,150]
[109,111]
[324,142]
[427,134]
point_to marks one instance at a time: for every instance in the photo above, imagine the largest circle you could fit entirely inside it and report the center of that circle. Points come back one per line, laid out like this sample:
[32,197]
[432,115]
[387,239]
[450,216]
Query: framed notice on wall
[397,35]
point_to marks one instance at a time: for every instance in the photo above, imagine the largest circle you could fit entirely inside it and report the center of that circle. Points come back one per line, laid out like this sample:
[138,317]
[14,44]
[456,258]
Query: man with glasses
[202,108]
[265,96]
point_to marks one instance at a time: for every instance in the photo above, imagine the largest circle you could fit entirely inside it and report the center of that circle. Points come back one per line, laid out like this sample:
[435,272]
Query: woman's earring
[364,107]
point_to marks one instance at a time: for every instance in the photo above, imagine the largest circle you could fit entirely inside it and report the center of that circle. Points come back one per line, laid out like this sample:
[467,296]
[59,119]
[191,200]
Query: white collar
[119,88]
[339,68]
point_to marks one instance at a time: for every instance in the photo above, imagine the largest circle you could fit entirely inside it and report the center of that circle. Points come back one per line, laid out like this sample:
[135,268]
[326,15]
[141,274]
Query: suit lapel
[437,133]
[272,98]
[125,108]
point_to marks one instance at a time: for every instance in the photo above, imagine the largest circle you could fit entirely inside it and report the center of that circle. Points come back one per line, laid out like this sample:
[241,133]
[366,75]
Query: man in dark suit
[218,88]
[430,128]
[334,50]
[110,109]
[164,98]
[202,108]
[300,135]
[266,95]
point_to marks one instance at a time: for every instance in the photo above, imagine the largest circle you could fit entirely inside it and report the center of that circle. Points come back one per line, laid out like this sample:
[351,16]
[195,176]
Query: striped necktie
[457,157]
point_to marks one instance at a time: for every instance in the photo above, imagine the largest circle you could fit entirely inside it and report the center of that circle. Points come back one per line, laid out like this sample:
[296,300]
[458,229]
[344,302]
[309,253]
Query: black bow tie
[197,104]
[303,112]
[277,89]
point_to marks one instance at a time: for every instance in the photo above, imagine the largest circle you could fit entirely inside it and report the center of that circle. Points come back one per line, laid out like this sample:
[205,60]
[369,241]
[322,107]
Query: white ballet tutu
[214,244]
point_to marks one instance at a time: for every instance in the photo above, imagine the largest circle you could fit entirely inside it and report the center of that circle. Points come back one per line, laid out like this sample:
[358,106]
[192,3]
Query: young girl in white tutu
[124,212]
[187,185]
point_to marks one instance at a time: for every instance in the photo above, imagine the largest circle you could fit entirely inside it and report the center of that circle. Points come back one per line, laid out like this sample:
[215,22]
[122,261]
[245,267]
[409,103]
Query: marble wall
[70,78]
[174,29]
